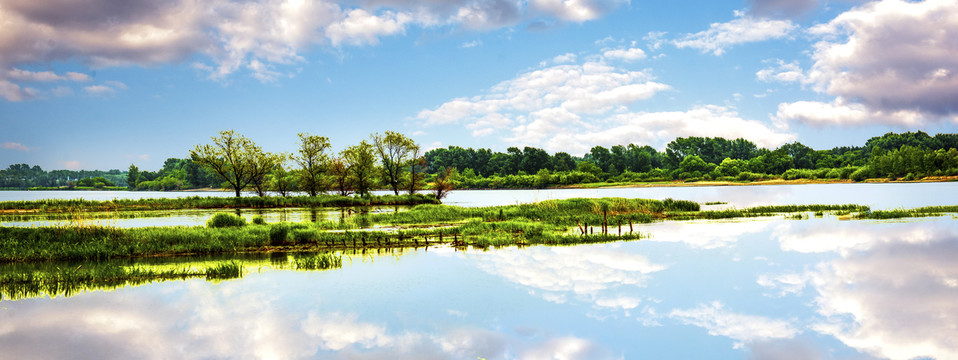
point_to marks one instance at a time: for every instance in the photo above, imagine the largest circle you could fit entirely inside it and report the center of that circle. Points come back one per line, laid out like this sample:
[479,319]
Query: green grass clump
[222,220]
[229,270]
[319,262]
[278,234]
[258,220]
[196,202]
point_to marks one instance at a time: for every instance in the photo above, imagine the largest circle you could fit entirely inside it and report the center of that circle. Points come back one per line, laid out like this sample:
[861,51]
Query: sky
[100,84]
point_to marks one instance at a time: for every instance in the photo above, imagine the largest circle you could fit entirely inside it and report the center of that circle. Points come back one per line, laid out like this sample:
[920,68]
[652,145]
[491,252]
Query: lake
[765,288]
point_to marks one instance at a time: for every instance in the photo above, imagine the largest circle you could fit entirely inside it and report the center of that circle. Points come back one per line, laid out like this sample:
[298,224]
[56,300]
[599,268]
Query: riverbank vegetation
[570,221]
[196,202]
[395,162]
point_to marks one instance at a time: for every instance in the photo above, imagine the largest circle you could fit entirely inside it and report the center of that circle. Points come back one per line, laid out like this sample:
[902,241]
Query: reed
[196,202]
[321,261]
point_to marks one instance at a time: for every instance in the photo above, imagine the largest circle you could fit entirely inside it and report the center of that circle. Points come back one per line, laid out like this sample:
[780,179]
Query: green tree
[313,160]
[342,180]
[231,156]
[417,168]
[361,162]
[444,182]
[562,161]
[395,150]
[282,181]
[132,175]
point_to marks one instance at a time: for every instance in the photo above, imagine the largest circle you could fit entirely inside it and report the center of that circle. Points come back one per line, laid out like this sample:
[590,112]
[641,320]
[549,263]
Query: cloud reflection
[245,319]
[892,293]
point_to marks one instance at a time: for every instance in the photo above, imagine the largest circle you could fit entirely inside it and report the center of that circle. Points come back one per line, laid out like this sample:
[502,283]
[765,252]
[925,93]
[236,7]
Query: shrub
[258,220]
[861,174]
[278,234]
[225,220]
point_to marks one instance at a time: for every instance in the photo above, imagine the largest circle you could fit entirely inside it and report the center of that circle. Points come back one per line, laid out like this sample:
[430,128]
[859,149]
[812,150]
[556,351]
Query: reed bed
[196,202]
[71,281]
[321,261]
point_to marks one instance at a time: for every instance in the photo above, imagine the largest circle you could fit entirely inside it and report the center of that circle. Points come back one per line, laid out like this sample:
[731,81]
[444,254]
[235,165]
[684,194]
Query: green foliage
[221,220]
[278,234]
[258,220]
[319,262]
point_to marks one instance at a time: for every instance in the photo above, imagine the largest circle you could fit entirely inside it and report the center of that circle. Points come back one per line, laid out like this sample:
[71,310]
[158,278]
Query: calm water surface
[767,288]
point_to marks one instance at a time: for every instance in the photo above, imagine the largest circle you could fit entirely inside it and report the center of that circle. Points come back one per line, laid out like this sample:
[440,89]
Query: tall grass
[319,262]
[196,202]
[71,281]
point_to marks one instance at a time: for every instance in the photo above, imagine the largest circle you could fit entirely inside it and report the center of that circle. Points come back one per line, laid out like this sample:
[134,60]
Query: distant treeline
[908,156]
[23,176]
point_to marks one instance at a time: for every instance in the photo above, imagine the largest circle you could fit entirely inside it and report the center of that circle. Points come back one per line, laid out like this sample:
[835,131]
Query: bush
[278,234]
[861,174]
[258,220]
[225,220]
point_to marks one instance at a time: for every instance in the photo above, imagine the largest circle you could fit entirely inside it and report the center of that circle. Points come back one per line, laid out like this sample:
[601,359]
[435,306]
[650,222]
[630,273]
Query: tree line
[395,162]
[389,160]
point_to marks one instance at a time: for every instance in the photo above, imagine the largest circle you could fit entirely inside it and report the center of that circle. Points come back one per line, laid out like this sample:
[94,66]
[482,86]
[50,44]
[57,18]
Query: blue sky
[93,85]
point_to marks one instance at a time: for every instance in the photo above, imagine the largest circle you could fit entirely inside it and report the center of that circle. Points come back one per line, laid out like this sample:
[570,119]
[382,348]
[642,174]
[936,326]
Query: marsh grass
[71,281]
[196,202]
[321,261]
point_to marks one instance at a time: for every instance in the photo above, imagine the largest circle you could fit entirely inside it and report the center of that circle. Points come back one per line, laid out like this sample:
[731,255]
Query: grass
[907,213]
[70,281]
[321,261]
[196,202]
[567,221]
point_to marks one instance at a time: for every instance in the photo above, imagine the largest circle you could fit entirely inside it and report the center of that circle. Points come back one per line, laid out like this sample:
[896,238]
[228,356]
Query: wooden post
[630,226]
[620,227]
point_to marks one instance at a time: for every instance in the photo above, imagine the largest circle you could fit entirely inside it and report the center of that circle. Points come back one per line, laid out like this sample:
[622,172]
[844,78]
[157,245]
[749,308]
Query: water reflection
[766,288]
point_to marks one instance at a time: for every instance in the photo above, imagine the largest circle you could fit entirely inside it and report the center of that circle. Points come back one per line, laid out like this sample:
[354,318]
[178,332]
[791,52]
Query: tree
[444,182]
[361,162]
[562,161]
[282,181]
[417,167]
[394,150]
[535,159]
[601,157]
[313,160]
[231,156]
[263,164]
[131,176]
[342,181]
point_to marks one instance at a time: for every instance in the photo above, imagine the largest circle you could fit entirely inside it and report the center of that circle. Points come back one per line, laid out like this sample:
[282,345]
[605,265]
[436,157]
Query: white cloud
[361,27]
[782,72]
[14,146]
[471,44]
[564,58]
[891,56]
[844,113]
[743,29]
[256,36]
[740,327]
[631,54]
[576,10]
[572,107]
[99,90]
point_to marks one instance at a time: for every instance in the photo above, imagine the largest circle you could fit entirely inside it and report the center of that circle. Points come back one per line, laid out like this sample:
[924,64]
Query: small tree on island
[231,156]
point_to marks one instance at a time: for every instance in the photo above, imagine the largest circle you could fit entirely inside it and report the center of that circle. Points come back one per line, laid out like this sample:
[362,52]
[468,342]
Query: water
[878,196]
[768,288]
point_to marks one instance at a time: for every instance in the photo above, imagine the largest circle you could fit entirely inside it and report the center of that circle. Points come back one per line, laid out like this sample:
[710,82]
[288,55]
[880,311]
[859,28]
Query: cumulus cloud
[576,10]
[889,62]
[782,72]
[739,327]
[630,54]
[574,106]
[743,29]
[891,55]
[841,112]
[255,36]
